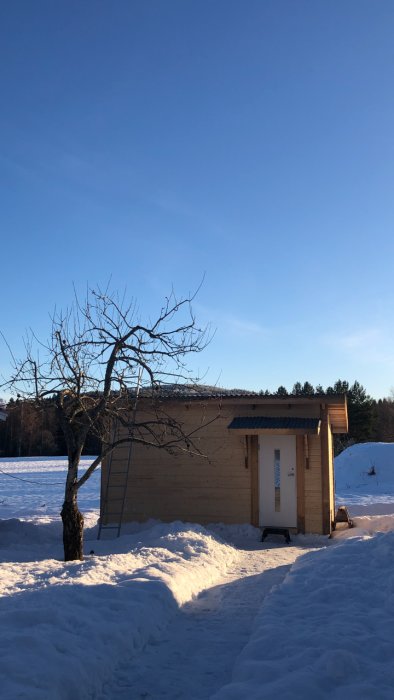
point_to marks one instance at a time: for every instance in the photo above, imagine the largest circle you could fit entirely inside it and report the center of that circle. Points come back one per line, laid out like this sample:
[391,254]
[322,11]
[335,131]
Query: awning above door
[254,425]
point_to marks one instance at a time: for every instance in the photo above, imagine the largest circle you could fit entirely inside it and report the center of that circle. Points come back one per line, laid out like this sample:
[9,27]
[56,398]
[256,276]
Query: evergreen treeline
[33,431]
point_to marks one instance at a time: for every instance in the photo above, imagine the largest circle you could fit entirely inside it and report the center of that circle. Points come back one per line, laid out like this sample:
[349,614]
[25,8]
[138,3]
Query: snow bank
[366,525]
[64,627]
[364,474]
[327,631]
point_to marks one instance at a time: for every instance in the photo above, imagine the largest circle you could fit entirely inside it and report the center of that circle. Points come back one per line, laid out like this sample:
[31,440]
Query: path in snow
[196,655]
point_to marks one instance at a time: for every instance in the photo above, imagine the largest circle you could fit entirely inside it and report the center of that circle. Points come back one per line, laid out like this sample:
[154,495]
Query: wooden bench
[284,531]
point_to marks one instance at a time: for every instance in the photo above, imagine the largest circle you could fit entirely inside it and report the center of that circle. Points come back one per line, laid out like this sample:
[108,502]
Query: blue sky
[248,141]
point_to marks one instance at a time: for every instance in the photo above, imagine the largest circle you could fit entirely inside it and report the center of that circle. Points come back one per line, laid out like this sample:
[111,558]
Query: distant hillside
[366,468]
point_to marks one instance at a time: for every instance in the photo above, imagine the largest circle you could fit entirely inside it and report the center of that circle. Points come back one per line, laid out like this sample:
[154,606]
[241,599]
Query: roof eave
[277,431]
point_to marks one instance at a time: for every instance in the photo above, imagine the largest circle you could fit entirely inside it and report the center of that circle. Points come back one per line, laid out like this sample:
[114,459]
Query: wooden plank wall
[319,480]
[197,489]
[313,487]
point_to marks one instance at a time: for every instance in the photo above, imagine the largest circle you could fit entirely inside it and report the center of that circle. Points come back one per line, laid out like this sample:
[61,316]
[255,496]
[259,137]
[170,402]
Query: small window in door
[277,480]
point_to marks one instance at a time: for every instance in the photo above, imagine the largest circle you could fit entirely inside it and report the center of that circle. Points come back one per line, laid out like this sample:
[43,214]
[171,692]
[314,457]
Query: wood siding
[313,486]
[181,486]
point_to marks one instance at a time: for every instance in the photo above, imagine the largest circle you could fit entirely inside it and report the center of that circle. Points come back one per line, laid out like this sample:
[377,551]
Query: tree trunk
[71,516]
[72,531]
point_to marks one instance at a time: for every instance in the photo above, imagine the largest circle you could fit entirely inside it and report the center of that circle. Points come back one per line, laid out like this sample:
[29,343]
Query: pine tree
[297,389]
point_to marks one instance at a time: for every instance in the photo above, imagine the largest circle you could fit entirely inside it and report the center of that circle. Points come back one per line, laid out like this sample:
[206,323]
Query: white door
[277,479]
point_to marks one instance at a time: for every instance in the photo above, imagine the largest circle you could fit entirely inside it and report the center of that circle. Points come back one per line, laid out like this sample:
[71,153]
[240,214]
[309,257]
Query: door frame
[284,513]
[252,451]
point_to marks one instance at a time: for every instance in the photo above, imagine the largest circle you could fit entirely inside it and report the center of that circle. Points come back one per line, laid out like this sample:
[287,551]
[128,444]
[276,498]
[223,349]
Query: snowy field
[364,475]
[181,611]
[34,486]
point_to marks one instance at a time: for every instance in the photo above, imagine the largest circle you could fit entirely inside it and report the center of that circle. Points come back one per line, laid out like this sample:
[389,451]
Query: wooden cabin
[267,460]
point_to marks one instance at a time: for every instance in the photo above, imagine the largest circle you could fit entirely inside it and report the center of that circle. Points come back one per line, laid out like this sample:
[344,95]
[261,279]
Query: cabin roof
[198,391]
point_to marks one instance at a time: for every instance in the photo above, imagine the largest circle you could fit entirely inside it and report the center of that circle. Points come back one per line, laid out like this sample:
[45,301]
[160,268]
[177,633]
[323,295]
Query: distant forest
[33,431]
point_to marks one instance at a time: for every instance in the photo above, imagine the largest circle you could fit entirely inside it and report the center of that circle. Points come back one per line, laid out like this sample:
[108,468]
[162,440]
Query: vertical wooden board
[253,464]
[313,487]
[325,471]
[331,474]
[300,457]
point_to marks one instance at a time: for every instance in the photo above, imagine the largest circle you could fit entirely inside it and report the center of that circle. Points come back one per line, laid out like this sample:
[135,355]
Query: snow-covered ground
[34,486]
[327,632]
[364,476]
[191,612]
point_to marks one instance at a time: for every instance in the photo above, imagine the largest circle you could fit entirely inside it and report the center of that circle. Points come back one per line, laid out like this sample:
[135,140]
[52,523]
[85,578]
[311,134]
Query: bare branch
[98,354]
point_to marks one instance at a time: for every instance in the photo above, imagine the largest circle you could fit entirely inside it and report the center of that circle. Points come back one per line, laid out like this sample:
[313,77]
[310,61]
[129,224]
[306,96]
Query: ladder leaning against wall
[112,510]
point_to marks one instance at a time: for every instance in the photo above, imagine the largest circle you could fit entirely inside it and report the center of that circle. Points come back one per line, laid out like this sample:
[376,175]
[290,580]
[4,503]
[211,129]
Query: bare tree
[97,359]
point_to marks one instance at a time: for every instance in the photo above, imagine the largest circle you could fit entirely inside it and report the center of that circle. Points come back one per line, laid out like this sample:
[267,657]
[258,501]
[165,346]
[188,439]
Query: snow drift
[327,632]
[366,468]
[64,627]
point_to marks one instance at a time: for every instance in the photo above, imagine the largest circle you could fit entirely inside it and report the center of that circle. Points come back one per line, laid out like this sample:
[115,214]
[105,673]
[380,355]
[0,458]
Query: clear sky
[252,141]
